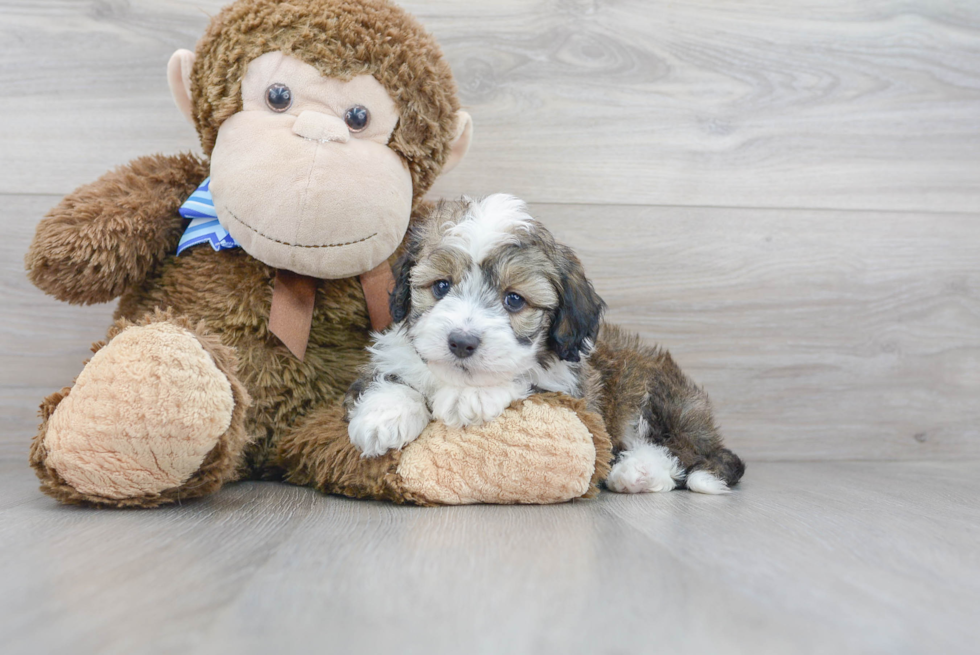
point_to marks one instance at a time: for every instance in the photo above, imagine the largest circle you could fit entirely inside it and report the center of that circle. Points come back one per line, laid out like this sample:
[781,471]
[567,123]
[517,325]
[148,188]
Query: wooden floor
[813,557]
[784,193]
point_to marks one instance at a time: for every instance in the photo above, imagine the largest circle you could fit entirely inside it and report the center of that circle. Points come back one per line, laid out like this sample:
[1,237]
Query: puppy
[488,309]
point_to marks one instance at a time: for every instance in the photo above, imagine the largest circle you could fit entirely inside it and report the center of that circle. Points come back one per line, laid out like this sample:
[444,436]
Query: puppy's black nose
[463,345]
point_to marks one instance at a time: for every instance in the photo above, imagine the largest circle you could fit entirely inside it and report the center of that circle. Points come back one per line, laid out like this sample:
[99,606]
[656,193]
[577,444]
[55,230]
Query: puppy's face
[487,294]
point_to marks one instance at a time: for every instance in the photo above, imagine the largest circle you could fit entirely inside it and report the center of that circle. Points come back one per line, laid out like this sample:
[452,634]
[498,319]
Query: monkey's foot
[155,416]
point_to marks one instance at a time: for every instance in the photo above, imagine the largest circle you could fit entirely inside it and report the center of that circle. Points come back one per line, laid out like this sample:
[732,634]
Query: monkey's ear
[461,142]
[579,311]
[179,78]
[400,300]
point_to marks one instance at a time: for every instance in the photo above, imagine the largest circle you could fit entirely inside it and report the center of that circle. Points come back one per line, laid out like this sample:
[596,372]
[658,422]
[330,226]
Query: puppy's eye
[440,288]
[279,98]
[357,118]
[514,302]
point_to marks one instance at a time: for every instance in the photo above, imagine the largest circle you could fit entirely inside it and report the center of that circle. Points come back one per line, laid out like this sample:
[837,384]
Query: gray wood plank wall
[785,194]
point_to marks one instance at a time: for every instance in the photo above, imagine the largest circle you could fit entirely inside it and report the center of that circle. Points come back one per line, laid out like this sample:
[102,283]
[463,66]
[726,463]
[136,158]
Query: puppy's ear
[400,300]
[422,227]
[579,310]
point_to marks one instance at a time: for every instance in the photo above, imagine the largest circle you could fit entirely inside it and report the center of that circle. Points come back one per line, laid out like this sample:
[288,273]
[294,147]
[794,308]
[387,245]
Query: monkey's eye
[357,118]
[514,302]
[278,97]
[440,288]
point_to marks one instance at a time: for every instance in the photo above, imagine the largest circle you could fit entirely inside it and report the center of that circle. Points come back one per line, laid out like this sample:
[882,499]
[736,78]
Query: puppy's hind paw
[643,470]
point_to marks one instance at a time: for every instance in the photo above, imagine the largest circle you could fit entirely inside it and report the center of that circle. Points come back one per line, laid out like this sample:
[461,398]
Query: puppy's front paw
[387,416]
[644,469]
[457,407]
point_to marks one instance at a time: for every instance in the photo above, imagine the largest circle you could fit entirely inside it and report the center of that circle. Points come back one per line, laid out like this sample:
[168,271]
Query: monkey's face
[303,178]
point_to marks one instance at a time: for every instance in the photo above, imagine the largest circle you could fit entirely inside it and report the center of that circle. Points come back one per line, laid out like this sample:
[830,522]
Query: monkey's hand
[388,415]
[104,237]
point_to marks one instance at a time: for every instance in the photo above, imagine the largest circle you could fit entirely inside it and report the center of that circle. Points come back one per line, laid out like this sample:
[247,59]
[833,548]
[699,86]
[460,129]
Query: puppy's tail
[720,465]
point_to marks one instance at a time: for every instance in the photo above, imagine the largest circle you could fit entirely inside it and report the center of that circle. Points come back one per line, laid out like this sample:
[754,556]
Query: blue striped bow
[204,226]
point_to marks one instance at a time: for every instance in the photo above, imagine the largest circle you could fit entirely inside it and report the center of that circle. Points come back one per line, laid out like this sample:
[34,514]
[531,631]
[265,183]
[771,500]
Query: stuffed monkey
[323,124]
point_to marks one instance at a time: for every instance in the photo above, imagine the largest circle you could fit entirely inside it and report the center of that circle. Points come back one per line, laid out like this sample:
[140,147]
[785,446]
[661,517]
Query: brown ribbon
[294,295]
[378,283]
[291,315]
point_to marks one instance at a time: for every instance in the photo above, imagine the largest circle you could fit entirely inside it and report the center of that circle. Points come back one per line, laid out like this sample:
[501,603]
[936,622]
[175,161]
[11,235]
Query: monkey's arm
[546,449]
[105,237]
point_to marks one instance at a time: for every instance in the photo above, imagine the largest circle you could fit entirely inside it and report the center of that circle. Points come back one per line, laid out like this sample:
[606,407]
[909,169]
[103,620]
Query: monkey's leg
[156,416]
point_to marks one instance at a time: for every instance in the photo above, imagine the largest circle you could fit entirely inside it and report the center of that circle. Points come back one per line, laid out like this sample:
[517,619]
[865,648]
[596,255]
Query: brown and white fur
[488,309]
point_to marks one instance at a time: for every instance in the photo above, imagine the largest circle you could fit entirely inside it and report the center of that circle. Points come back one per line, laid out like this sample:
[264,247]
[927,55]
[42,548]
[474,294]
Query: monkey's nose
[321,127]
[462,344]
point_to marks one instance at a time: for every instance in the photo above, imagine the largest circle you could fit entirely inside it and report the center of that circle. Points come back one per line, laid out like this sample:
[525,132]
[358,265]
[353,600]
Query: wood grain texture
[834,104]
[819,335]
[803,558]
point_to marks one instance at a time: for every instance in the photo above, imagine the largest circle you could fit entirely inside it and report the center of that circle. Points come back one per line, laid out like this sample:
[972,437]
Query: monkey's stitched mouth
[297,245]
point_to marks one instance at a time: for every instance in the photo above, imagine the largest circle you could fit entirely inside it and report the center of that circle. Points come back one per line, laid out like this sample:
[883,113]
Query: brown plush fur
[341,39]
[106,237]
[319,454]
